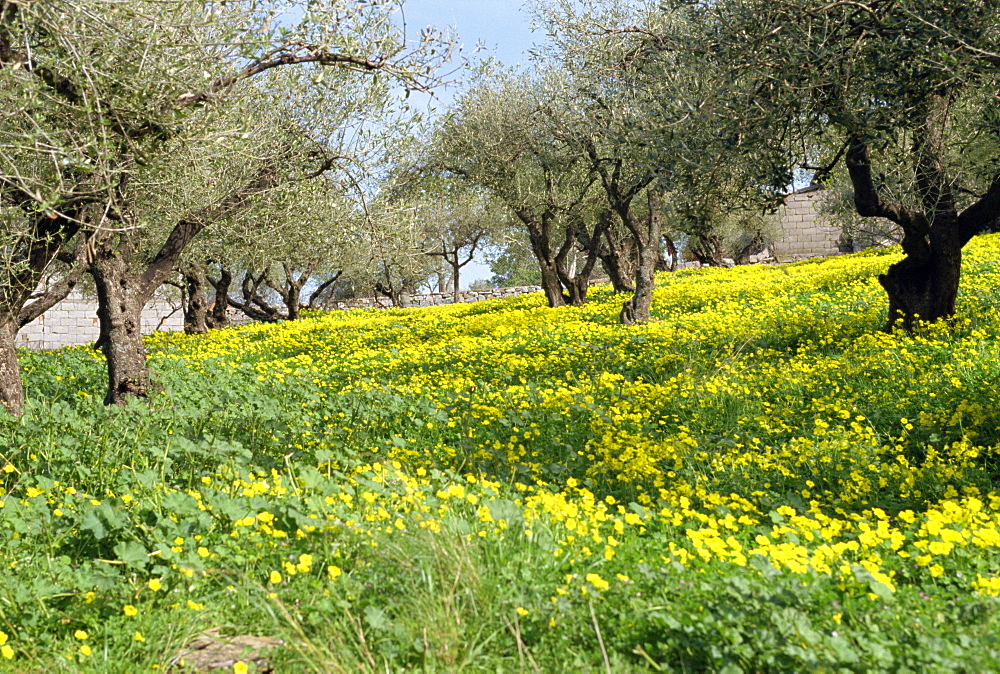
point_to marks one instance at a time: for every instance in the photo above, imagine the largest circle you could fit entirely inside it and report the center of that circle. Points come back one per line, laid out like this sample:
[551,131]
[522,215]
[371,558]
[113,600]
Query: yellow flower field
[758,479]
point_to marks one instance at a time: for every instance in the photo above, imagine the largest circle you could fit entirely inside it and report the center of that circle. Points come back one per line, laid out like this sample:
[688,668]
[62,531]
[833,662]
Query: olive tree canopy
[908,89]
[94,91]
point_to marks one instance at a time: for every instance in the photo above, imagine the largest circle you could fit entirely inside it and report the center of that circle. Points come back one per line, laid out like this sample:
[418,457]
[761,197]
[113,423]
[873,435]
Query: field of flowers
[758,480]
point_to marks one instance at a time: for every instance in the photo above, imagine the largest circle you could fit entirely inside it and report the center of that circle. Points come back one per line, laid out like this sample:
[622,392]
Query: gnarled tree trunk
[253,305]
[708,249]
[636,310]
[923,285]
[620,260]
[400,291]
[611,252]
[11,388]
[217,316]
[539,233]
[196,300]
[577,280]
[119,310]
[291,290]
[328,288]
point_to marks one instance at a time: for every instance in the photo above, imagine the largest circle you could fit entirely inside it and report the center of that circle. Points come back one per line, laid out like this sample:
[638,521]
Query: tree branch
[867,201]
[57,293]
[292,56]
[982,215]
[188,227]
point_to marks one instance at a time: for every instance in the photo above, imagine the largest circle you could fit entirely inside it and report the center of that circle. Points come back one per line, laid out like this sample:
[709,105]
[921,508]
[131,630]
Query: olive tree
[633,111]
[94,93]
[909,89]
[457,219]
[498,138]
[311,236]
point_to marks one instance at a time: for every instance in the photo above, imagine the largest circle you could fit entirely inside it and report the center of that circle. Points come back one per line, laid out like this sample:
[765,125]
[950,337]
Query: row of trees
[129,130]
[699,113]
[251,152]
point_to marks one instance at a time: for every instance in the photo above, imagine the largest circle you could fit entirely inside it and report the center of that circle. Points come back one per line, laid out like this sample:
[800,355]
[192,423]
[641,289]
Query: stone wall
[801,231]
[435,299]
[74,321]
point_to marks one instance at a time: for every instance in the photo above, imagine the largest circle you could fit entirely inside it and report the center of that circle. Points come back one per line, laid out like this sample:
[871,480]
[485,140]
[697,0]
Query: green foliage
[503,486]
[514,266]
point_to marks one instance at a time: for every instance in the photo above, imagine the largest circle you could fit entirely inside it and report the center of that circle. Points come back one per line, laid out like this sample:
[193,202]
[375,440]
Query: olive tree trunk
[540,235]
[577,280]
[217,316]
[636,310]
[619,260]
[120,302]
[923,285]
[195,300]
[11,388]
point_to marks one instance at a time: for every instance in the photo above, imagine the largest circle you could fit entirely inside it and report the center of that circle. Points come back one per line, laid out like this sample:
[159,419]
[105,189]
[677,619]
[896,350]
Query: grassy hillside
[757,480]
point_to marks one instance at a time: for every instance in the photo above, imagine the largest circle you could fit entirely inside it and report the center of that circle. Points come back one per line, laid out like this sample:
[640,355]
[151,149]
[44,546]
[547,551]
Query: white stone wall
[802,231]
[74,321]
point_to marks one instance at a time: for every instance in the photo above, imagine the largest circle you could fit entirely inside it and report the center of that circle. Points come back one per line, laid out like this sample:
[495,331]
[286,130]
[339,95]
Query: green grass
[758,480]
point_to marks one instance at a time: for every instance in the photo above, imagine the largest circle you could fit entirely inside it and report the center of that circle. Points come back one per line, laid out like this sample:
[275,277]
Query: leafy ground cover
[759,480]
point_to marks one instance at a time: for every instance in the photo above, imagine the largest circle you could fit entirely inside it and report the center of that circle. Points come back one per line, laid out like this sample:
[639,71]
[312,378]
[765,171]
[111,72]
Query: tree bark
[292,301]
[119,310]
[923,285]
[11,388]
[577,280]
[217,315]
[196,304]
[636,310]
[539,235]
[400,293]
[708,249]
[923,288]
[456,269]
[253,305]
[616,263]
[603,246]
[290,289]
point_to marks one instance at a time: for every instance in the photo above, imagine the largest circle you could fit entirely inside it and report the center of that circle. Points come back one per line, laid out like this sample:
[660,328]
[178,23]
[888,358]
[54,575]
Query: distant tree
[498,138]
[397,264]
[513,265]
[612,93]
[456,219]
[279,257]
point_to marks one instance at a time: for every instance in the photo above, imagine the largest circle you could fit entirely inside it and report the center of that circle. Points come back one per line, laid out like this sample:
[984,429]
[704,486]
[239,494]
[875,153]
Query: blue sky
[502,26]
[500,23]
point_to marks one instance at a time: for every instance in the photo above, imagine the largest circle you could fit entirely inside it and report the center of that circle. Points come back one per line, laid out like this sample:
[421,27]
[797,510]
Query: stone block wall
[801,231]
[435,299]
[74,321]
